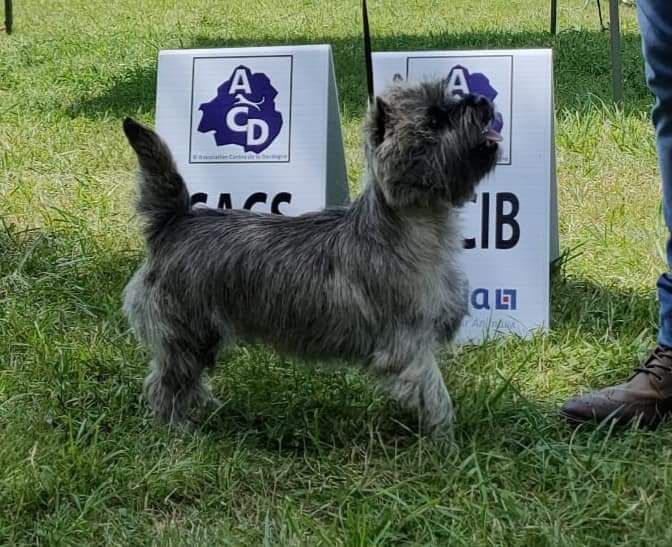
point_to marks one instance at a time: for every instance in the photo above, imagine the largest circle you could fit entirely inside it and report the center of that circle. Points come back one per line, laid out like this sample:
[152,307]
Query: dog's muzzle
[490,135]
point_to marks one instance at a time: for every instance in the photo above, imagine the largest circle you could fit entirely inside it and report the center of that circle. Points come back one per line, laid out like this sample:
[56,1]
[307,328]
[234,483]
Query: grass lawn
[299,457]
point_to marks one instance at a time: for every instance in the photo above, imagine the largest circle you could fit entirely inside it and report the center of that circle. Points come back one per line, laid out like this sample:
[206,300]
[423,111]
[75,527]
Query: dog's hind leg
[180,351]
[175,385]
[418,385]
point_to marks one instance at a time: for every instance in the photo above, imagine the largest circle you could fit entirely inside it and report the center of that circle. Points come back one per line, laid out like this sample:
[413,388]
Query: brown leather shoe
[646,396]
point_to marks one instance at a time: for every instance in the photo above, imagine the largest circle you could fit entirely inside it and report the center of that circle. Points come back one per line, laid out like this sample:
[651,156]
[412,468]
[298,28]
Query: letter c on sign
[231,122]
[282,197]
[257,197]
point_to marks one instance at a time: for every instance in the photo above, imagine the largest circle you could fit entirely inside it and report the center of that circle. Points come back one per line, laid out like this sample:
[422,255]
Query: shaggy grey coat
[375,282]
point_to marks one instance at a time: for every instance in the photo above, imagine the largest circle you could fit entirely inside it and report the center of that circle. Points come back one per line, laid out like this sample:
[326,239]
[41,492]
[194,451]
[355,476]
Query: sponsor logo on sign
[504,299]
[243,111]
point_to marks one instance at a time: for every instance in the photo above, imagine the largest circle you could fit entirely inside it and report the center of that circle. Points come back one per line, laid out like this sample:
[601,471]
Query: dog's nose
[476,100]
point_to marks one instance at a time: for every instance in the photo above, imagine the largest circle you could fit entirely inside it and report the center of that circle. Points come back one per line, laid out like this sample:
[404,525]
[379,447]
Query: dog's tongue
[492,135]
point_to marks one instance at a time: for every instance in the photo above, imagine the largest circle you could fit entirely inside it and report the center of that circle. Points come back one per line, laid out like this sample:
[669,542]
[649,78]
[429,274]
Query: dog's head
[426,147]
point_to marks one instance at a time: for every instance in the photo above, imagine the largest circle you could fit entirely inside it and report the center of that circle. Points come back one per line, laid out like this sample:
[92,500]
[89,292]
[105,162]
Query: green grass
[299,457]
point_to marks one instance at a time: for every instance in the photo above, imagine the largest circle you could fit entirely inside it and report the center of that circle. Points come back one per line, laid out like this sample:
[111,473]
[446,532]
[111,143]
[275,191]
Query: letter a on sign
[457,83]
[240,83]
[249,122]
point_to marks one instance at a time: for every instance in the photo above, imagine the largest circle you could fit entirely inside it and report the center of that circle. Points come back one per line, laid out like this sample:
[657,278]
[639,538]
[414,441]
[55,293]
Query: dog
[375,282]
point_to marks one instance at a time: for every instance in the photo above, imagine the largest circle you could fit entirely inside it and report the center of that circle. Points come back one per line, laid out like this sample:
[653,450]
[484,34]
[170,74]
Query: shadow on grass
[582,69]
[280,405]
[277,404]
[289,405]
[609,313]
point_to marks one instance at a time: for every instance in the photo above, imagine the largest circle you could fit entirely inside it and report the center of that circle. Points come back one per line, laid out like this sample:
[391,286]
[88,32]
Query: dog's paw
[444,434]
[439,424]
[211,405]
[185,426]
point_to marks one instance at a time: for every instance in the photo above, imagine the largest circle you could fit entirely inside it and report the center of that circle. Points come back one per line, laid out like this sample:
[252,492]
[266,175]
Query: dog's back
[323,284]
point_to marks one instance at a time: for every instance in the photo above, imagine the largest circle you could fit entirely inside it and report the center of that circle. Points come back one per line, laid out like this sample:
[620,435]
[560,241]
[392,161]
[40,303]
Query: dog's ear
[381,117]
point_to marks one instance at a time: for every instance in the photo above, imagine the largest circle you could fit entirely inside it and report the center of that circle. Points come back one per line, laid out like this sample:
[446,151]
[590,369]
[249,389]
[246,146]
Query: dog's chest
[434,248]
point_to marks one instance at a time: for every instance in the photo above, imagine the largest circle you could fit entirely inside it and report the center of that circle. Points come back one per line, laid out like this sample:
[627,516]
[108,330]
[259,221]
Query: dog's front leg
[419,386]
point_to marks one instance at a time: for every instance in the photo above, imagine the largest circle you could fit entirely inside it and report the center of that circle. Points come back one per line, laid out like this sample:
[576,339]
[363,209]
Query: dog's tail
[162,194]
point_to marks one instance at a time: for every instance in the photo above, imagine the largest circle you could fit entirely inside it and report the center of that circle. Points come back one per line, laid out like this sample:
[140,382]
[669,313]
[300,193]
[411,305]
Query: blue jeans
[655,23]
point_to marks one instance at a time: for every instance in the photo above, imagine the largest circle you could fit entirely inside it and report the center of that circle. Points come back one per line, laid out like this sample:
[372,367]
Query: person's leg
[655,23]
[647,395]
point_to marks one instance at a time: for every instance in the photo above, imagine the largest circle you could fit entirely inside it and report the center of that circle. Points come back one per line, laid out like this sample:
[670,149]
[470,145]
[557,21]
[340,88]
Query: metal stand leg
[599,15]
[554,17]
[8,16]
[616,69]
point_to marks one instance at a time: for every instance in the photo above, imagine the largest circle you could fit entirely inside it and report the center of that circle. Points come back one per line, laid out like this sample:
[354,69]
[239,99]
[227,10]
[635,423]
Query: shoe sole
[617,421]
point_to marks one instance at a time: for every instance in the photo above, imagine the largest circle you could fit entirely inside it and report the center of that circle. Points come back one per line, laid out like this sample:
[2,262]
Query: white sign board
[254,128]
[511,229]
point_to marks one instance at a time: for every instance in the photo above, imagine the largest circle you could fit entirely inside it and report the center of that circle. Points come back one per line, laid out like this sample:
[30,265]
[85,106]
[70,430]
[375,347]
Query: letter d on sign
[263,131]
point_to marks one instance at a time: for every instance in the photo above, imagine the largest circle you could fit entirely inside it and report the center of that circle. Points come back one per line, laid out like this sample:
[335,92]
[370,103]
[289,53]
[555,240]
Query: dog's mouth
[490,136]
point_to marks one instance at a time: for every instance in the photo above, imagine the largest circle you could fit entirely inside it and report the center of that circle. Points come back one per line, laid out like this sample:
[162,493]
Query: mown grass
[298,456]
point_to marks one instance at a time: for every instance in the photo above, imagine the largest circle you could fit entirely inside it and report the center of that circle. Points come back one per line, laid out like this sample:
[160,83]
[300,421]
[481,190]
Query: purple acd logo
[461,82]
[243,112]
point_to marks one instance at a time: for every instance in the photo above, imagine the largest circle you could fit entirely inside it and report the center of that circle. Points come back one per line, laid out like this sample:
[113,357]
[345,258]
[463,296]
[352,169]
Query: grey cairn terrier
[375,282]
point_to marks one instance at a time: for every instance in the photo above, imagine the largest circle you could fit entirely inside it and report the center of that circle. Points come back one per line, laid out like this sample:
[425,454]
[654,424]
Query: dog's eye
[437,118]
